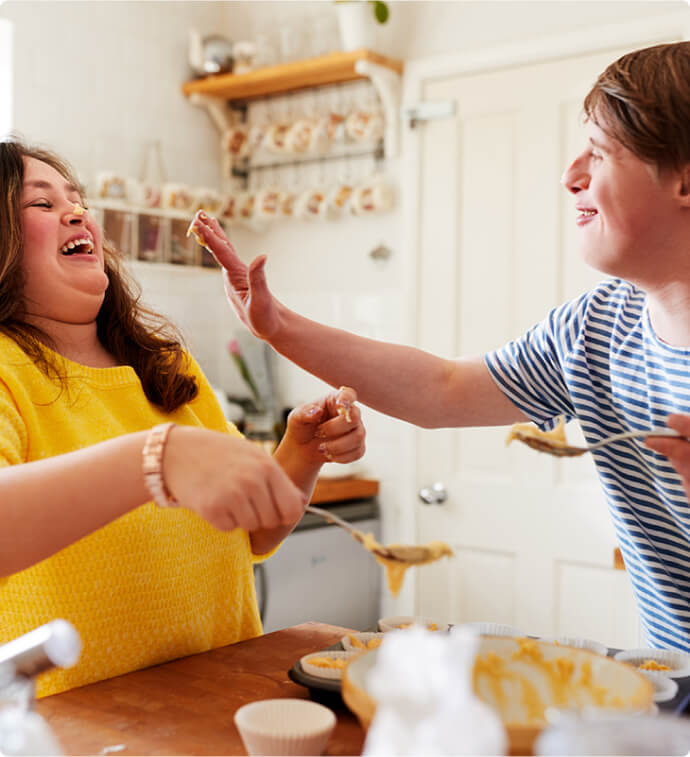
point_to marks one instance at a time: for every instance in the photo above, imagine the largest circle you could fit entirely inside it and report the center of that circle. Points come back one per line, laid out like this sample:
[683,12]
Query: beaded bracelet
[152,464]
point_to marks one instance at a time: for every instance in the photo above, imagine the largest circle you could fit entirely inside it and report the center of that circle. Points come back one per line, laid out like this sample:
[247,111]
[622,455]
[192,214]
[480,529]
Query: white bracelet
[152,464]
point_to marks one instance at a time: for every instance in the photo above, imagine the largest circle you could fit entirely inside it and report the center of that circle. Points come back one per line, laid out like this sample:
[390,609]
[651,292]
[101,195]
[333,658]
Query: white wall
[97,81]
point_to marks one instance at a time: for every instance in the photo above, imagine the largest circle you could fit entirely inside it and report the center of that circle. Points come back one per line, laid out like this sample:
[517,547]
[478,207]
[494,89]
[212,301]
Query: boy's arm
[401,381]
[404,382]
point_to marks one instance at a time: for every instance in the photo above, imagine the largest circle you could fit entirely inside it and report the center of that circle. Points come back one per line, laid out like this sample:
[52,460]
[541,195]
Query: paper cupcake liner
[401,622]
[333,674]
[495,629]
[572,641]
[678,662]
[364,638]
[284,727]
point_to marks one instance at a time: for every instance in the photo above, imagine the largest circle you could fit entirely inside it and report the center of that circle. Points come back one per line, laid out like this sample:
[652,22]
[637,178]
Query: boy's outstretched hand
[676,450]
[245,285]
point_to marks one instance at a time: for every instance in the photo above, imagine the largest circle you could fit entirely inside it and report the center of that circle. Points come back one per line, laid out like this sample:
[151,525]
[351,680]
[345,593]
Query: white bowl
[394,623]
[665,688]
[337,656]
[284,726]
[678,662]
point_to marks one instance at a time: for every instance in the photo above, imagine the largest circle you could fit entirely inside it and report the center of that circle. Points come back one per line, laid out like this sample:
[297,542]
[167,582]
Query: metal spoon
[402,553]
[559,449]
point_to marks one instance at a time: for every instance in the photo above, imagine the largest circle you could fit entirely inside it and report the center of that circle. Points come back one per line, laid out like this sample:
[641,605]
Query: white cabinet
[321,574]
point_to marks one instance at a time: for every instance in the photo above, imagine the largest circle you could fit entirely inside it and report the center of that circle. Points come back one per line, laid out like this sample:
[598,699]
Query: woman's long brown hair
[132,333]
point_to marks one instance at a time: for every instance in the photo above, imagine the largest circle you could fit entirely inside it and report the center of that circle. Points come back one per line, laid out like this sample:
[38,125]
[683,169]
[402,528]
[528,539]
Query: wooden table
[187,706]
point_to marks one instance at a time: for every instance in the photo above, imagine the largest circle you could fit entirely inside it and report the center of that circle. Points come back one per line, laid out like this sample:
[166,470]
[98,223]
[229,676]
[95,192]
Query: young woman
[128,505]
[617,358]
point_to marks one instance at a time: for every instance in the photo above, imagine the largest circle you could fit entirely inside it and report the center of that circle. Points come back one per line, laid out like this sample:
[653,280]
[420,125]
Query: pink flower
[234,347]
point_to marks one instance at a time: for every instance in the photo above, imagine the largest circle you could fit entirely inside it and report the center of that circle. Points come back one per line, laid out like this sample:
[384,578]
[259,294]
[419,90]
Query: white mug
[275,137]
[229,208]
[267,204]
[362,126]
[329,130]
[338,197]
[111,185]
[177,197]
[287,204]
[298,137]
[206,199]
[311,204]
[375,196]
[236,141]
[246,204]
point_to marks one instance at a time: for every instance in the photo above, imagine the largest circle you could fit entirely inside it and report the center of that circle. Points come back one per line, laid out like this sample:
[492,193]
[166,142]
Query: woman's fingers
[344,448]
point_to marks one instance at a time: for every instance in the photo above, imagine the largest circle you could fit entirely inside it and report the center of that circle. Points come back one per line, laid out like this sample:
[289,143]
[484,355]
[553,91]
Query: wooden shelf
[334,68]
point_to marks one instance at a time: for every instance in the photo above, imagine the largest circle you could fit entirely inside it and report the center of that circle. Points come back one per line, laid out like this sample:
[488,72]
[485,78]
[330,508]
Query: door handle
[435,494]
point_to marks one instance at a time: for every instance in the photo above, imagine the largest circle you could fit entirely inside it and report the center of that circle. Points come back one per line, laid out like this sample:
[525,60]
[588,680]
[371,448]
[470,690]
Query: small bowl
[400,622]
[571,641]
[665,688]
[496,629]
[321,671]
[367,640]
[678,662]
[284,726]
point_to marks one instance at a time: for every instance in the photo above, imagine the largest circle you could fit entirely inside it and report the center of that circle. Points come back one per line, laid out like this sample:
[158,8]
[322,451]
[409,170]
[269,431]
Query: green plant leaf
[380,11]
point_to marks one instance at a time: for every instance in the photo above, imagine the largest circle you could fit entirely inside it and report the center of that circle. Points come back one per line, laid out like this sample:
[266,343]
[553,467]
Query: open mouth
[77,247]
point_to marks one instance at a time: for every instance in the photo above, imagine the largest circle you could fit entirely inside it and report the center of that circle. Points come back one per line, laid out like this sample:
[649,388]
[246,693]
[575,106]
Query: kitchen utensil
[209,55]
[558,449]
[402,553]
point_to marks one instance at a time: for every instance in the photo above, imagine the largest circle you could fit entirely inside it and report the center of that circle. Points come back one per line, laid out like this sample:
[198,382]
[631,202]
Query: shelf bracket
[388,85]
[220,114]
[224,119]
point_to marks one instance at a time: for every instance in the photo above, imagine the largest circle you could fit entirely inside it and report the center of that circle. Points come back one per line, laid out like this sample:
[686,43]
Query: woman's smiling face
[62,258]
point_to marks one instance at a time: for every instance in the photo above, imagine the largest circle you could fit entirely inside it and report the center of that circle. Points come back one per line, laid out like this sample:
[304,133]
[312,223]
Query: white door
[532,535]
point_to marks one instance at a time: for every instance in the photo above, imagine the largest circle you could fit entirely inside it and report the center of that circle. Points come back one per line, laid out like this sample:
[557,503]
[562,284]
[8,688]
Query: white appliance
[321,573]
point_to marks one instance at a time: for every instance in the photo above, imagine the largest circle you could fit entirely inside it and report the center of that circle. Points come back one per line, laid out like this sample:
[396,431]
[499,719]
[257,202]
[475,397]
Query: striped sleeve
[530,370]
[13,436]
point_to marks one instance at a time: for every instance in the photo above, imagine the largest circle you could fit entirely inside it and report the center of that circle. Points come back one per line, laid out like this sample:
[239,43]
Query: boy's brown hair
[643,101]
[132,333]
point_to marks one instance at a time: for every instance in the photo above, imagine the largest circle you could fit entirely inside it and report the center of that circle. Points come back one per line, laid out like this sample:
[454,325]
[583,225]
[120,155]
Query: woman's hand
[676,450]
[245,286]
[328,430]
[230,482]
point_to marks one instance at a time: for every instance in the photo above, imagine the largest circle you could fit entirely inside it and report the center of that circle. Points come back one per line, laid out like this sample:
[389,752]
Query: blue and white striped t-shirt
[597,359]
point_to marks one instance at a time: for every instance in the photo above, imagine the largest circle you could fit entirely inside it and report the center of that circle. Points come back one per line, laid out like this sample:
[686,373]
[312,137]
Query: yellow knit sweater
[151,586]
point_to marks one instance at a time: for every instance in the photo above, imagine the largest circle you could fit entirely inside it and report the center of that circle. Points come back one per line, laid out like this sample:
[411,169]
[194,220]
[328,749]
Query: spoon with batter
[554,442]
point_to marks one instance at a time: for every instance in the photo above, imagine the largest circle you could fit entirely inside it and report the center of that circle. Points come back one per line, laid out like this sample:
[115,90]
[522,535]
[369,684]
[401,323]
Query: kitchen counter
[337,489]
[186,706]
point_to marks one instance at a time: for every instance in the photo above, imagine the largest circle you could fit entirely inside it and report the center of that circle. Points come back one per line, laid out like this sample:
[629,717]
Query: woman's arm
[49,504]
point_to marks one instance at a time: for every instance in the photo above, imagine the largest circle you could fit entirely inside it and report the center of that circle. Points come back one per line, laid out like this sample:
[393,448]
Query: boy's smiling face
[628,212]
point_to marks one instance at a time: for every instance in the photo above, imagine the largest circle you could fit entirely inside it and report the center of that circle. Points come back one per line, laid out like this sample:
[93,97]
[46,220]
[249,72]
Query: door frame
[420,72]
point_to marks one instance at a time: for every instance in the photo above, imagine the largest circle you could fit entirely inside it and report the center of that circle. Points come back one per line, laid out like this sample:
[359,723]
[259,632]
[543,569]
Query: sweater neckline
[116,375]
